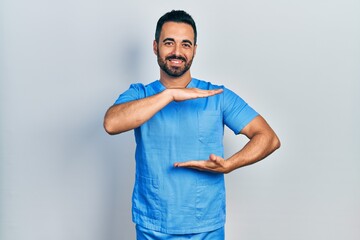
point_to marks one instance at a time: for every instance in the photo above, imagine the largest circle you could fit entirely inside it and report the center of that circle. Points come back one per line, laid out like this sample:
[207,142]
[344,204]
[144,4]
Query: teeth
[176,61]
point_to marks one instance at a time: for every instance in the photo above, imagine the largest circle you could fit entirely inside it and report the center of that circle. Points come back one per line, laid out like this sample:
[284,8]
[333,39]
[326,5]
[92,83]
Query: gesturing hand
[182,94]
[213,164]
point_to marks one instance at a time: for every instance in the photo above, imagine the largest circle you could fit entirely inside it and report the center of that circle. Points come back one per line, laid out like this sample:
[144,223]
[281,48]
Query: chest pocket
[210,127]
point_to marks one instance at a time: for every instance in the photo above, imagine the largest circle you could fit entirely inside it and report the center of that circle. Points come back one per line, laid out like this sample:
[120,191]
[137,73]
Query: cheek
[164,53]
[190,55]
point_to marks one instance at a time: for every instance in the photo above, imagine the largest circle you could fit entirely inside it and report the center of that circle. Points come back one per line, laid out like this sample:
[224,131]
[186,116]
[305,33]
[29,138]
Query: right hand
[182,94]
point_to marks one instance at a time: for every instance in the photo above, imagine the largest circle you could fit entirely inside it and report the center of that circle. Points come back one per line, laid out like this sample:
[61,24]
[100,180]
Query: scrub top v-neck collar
[160,87]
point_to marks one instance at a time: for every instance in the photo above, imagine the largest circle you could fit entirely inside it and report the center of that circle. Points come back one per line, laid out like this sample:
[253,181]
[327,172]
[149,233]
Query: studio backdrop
[63,63]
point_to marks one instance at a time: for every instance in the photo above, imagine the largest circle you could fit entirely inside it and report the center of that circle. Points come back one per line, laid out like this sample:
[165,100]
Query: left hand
[213,164]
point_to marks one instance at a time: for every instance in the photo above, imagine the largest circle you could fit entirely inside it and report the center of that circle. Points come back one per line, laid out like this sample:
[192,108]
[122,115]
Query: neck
[175,82]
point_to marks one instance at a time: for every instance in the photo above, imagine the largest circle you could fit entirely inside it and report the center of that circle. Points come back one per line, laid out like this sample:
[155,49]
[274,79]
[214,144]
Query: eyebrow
[187,41]
[173,40]
[169,39]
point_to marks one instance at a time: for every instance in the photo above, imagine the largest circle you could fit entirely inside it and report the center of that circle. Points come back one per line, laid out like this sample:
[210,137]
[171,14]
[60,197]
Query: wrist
[169,93]
[229,165]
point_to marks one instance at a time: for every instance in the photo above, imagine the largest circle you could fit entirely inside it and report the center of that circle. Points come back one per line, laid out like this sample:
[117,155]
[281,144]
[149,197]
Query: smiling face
[176,48]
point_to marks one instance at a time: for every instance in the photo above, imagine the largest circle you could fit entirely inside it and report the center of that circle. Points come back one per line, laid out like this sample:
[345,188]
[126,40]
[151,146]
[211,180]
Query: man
[178,121]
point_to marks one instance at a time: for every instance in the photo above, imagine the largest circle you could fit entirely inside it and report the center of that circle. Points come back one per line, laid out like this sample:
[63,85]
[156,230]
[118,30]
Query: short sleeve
[135,92]
[237,113]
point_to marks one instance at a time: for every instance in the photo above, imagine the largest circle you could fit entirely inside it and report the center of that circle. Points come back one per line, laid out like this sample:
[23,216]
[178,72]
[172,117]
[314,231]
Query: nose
[177,49]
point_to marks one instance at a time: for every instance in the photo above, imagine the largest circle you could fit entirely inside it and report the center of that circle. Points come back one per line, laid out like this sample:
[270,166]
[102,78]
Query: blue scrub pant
[146,234]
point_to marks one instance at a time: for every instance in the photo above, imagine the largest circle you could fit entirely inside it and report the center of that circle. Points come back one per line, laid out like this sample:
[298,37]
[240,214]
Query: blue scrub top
[180,200]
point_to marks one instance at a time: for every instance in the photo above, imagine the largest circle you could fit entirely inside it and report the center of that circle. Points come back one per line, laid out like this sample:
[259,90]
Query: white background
[63,63]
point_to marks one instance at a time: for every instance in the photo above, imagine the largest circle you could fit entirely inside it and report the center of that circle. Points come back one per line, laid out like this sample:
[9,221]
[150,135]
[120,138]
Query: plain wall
[63,63]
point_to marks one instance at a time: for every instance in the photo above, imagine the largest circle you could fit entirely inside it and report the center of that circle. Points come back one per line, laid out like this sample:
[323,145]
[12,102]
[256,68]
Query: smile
[176,61]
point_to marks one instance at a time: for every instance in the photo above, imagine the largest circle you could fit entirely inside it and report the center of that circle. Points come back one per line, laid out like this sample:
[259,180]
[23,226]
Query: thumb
[213,157]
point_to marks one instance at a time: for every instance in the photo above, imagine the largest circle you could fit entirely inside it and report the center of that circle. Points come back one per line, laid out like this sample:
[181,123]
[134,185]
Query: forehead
[178,31]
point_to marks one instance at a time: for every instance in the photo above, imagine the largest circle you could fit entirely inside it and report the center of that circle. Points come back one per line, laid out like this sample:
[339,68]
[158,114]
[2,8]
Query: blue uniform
[181,200]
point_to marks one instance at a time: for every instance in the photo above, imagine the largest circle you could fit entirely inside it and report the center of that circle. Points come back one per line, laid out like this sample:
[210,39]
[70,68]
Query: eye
[186,45]
[168,43]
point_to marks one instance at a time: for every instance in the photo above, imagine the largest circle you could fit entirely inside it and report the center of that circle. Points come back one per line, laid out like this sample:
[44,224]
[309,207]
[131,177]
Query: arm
[263,141]
[126,116]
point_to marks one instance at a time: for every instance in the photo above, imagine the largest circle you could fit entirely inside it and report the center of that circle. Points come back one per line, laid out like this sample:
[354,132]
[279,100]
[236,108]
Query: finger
[217,91]
[214,91]
[193,165]
[214,158]
[198,165]
[188,164]
[208,165]
[207,93]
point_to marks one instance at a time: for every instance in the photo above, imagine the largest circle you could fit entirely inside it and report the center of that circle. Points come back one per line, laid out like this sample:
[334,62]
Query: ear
[155,47]
[195,47]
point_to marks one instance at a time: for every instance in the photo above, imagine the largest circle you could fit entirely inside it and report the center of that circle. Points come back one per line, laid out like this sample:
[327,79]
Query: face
[176,48]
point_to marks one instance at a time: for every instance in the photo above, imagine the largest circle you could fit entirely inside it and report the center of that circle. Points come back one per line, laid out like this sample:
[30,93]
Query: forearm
[123,117]
[260,146]
[263,141]
[130,115]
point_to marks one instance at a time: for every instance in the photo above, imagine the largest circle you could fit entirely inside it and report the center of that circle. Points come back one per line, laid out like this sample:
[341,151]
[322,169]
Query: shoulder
[134,92]
[228,96]
[145,89]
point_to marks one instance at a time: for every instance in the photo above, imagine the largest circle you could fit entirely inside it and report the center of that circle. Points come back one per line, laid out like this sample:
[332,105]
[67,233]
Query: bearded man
[178,121]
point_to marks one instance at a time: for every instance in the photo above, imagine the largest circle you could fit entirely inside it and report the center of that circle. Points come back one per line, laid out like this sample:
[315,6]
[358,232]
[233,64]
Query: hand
[214,164]
[182,94]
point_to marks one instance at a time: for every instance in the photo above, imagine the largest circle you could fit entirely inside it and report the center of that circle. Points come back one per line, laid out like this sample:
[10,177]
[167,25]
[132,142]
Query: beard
[171,70]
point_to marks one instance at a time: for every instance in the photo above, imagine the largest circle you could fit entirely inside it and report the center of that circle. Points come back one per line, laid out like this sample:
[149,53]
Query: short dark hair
[178,16]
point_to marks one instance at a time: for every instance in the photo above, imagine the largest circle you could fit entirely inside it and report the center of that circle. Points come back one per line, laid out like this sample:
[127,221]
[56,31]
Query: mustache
[175,57]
